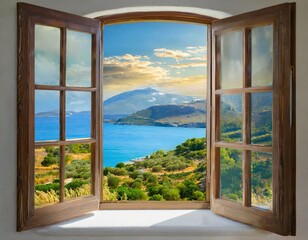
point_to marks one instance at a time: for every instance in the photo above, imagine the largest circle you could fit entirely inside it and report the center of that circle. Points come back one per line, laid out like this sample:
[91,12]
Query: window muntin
[42,94]
[281,210]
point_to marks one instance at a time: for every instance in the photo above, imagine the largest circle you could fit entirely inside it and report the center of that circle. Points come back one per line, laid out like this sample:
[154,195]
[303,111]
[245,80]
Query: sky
[167,56]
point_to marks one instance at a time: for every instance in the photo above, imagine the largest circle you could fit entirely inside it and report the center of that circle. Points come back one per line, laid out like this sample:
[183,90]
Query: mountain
[192,114]
[132,101]
[57,114]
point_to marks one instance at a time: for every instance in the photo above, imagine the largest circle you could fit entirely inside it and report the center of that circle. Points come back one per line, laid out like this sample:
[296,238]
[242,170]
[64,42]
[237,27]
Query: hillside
[132,101]
[186,115]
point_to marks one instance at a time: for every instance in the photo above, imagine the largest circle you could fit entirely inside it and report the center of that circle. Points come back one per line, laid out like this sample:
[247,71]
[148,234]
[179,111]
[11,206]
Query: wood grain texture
[27,216]
[156,16]
[153,205]
[282,219]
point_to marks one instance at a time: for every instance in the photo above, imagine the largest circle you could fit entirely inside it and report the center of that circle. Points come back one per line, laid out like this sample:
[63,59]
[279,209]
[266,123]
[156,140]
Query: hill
[132,101]
[186,115]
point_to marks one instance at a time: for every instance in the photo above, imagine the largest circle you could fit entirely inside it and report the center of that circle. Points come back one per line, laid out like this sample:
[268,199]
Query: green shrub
[170,194]
[50,159]
[157,197]
[113,182]
[137,184]
[199,196]
[157,168]
[75,184]
[47,187]
[115,171]
[120,165]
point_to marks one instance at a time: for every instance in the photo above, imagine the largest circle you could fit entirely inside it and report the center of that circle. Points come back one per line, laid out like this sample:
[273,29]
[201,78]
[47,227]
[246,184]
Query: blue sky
[170,57]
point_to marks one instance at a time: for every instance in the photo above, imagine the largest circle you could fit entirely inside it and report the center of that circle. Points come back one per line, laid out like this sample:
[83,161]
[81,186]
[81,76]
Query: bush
[157,168]
[120,165]
[115,171]
[135,174]
[125,193]
[137,194]
[78,169]
[157,197]
[47,187]
[50,159]
[187,188]
[137,184]
[154,190]
[152,180]
[113,182]
[75,184]
[197,195]
[170,194]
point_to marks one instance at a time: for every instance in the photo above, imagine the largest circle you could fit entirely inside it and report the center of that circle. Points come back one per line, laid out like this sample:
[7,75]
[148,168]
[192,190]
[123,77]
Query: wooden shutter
[240,78]
[30,16]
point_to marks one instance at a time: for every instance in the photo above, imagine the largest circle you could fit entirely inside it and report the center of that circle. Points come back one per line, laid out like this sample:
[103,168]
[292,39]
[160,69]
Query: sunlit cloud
[168,53]
[127,72]
[189,64]
[78,75]
[192,85]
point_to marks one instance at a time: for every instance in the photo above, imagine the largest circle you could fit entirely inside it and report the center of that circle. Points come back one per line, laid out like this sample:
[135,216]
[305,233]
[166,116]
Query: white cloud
[189,64]
[168,53]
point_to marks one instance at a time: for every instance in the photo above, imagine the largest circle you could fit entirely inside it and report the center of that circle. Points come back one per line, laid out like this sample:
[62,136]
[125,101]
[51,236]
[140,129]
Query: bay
[121,143]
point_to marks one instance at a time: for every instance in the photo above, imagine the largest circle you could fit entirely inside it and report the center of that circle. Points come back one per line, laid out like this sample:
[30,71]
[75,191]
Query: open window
[52,46]
[250,115]
[253,69]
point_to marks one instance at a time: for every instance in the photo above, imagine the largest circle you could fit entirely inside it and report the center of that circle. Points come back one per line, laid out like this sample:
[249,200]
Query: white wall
[8,64]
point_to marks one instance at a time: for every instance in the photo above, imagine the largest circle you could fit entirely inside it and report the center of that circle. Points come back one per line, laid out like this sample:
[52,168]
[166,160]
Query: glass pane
[261,180]
[231,65]
[47,55]
[78,59]
[261,119]
[78,115]
[231,179]
[262,56]
[46,181]
[77,170]
[47,115]
[231,118]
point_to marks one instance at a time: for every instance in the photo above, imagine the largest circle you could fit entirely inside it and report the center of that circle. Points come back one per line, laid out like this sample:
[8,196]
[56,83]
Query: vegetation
[77,173]
[176,175]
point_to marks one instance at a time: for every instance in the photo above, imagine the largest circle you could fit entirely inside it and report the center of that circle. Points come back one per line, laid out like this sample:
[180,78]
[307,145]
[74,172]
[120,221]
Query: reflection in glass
[78,59]
[261,119]
[46,180]
[262,56]
[231,179]
[261,180]
[77,170]
[78,115]
[47,55]
[231,118]
[231,65]
[47,115]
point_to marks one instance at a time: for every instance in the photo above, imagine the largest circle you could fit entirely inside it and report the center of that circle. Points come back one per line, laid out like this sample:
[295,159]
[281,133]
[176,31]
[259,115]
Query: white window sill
[150,223]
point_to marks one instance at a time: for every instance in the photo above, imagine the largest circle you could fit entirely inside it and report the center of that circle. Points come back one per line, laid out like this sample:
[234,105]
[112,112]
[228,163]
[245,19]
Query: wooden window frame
[27,216]
[282,222]
[281,219]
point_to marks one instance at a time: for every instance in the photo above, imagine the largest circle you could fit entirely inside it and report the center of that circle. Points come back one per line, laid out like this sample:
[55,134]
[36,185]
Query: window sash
[282,217]
[27,216]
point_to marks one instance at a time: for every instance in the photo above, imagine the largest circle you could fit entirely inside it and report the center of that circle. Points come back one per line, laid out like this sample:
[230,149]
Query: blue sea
[121,143]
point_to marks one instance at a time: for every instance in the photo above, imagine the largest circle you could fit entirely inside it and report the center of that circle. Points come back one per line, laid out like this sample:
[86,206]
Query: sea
[121,143]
